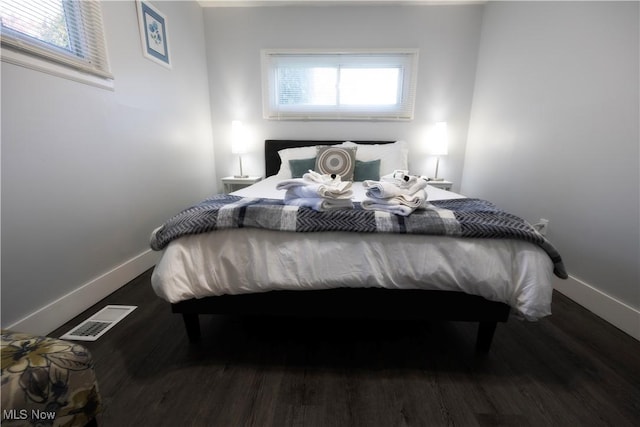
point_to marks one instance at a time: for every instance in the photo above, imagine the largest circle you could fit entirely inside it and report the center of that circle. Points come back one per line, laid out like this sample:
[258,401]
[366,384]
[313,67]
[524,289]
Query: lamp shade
[238,138]
[438,142]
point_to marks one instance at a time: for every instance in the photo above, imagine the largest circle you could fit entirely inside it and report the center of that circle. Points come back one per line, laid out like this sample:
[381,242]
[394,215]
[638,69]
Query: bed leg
[192,324]
[485,336]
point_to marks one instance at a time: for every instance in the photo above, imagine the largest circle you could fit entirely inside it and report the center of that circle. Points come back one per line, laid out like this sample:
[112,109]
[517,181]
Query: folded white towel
[372,204]
[385,189]
[319,203]
[318,190]
[402,205]
[285,184]
[416,200]
[304,188]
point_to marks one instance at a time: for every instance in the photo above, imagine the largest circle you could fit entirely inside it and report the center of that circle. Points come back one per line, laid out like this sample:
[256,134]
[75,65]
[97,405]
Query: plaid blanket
[473,218]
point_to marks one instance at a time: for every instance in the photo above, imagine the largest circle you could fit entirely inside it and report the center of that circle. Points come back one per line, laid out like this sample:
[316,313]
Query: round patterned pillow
[336,160]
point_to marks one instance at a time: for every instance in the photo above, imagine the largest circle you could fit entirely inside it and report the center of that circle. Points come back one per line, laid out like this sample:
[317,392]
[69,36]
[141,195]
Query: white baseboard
[65,308]
[605,306]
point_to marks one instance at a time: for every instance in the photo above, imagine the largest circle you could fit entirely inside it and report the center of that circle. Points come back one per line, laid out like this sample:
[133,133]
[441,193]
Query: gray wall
[87,173]
[554,131]
[447,37]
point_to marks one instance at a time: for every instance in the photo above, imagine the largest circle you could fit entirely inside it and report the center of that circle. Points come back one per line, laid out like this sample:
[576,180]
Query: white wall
[87,173]
[447,37]
[555,109]
[554,132]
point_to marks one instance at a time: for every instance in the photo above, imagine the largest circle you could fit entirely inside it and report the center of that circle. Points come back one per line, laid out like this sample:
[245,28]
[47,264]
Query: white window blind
[68,32]
[352,85]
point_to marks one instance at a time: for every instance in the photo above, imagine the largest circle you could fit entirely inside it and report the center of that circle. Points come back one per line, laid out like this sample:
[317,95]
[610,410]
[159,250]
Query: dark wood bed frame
[347,302]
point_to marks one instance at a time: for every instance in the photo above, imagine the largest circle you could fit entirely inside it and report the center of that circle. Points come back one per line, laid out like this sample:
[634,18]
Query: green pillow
[367,170]
[301,166]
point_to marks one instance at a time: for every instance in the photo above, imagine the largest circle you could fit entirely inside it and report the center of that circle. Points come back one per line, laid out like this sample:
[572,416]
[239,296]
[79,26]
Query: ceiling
[262,3]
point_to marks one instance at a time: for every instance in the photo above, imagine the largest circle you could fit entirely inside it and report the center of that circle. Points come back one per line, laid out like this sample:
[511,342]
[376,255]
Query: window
[354,85]
[66,32]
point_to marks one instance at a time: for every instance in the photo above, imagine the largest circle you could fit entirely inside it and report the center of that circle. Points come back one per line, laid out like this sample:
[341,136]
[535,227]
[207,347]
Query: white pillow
[296,153]
[392,156]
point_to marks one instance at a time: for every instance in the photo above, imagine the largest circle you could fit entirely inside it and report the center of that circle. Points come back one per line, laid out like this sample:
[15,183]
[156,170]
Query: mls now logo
[23,414]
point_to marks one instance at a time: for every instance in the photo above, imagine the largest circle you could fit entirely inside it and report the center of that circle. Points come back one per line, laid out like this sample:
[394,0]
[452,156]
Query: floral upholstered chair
[47,381]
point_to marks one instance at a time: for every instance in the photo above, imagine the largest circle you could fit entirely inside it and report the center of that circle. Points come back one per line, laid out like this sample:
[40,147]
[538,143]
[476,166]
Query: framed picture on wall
[153,33]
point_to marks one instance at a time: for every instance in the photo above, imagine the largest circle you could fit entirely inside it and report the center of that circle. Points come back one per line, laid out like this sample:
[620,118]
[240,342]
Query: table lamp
[238,143]
[438,145]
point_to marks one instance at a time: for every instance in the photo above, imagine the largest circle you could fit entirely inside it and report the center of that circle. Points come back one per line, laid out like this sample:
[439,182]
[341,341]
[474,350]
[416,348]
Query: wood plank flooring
[570,369]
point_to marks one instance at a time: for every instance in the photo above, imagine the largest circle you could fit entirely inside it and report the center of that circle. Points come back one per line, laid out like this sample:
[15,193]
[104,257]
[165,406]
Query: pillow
[392,156]
[338,160]
[296,153]
[367,170]
[301,166]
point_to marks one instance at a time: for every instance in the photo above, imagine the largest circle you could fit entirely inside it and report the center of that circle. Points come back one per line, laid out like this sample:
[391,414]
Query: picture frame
[153,33]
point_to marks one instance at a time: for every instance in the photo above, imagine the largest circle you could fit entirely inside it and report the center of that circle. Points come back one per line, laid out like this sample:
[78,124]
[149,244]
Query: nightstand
[445,185]
[232,183]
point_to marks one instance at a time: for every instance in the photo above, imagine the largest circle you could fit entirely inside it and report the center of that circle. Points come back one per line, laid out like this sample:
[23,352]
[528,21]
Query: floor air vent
[98,324]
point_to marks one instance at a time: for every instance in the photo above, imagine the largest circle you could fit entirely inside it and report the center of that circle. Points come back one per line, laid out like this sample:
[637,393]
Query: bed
[343,274]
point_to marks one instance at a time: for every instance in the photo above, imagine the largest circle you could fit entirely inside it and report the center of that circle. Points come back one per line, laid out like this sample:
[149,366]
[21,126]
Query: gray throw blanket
[473,218]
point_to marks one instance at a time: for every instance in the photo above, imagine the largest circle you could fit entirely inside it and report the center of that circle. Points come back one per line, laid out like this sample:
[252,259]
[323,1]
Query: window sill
[28,61]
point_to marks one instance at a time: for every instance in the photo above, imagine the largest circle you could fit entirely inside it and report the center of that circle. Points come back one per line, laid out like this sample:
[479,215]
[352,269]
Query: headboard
[272,146]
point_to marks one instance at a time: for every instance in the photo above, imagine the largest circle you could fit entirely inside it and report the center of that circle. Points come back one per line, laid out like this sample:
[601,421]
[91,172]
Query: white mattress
[251,260]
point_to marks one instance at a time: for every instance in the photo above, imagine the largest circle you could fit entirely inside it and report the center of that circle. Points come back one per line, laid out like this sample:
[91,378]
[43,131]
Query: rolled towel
[319,178]
[320,204]
[401,179]
[385,189]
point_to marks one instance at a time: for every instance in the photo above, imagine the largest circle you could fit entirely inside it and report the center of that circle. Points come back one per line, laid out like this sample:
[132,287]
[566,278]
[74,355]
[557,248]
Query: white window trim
[268,92]
[46,66]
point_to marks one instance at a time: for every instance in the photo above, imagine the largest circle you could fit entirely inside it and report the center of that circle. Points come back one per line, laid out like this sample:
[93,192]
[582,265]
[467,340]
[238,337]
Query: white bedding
[252,260]
[267,188]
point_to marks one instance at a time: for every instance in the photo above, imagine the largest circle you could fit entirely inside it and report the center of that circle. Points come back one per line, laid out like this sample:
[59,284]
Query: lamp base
[435,179]
[241,176]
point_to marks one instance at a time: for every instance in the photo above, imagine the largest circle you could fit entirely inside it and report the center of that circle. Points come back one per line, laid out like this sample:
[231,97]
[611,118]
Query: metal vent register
[98,324]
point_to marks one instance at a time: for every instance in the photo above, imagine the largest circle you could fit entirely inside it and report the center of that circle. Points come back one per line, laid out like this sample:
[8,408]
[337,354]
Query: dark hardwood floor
[570,369]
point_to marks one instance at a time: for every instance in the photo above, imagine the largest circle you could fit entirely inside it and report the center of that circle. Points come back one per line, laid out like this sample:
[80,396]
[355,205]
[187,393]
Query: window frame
[405,59]
[86,64]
